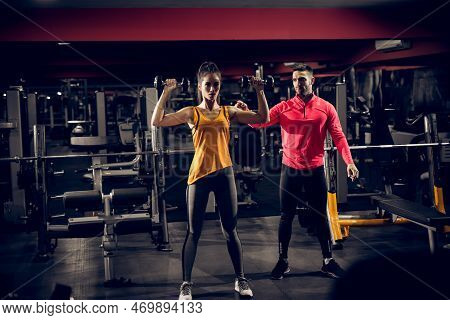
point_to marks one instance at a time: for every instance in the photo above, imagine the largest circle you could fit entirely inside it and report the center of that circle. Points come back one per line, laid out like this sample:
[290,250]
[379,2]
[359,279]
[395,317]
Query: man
[305,120]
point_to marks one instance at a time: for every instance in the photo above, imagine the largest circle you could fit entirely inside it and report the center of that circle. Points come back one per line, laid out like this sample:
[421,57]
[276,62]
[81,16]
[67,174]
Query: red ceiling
[174,24]
[134,43]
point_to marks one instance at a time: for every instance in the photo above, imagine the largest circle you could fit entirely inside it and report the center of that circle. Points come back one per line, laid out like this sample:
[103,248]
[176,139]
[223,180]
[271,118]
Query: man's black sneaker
[332,269]
[281,268]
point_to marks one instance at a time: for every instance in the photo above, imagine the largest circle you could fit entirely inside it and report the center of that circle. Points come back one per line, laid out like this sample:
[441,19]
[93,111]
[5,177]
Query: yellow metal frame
[439,199]
[439,204]
[333,216]
[370,222]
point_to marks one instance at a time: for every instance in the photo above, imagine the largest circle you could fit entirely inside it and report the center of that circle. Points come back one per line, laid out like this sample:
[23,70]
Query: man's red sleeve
[339,139]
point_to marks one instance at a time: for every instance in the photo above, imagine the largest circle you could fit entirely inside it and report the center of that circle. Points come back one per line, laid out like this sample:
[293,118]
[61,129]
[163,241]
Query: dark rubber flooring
[389,262]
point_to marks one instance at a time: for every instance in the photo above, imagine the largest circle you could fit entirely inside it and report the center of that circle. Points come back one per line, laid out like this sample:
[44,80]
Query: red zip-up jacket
[303,131]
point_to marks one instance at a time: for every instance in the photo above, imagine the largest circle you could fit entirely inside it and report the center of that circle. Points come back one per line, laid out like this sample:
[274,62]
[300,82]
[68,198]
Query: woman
[211,168]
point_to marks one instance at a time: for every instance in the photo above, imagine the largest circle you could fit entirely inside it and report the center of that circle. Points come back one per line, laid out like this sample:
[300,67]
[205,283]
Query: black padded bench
[426,217]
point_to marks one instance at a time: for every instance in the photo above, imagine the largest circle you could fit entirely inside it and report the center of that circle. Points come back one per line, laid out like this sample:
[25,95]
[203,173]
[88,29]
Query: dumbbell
[268,81]
[159,83]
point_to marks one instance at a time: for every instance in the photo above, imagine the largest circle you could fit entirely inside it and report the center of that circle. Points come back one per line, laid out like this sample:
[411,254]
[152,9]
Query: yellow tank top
[211,138]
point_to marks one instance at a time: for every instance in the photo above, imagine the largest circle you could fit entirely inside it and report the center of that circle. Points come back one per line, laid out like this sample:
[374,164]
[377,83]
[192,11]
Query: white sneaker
[241,286]
[185,291]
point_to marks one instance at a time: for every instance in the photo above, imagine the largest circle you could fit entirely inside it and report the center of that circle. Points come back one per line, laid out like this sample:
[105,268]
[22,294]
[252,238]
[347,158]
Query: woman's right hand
[241,105]
[170,85]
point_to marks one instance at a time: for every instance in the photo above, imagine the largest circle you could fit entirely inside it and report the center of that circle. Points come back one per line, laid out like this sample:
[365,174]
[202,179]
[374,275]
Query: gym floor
[389,262]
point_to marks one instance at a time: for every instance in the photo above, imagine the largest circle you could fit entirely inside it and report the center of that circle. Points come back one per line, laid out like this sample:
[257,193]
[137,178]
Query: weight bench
[423,216]
[107,222]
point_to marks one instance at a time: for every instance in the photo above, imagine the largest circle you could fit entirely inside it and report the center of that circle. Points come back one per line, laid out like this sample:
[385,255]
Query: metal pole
[32,110]
[108,242]
[101,121]
[159,181]
[430,154]
[341,167]
[15,208]
[41,190]
[432,241]
[332,212]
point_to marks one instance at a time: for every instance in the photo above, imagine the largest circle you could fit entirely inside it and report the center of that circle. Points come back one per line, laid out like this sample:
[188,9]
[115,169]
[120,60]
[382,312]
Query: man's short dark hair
[303,67]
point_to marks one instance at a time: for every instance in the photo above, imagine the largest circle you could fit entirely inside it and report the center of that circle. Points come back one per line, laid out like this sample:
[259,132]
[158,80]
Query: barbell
[94,155]
[181,151]
[389,146]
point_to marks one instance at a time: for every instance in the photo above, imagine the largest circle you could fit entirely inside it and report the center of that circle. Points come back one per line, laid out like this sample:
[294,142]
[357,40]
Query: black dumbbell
[159,83]
[268,81]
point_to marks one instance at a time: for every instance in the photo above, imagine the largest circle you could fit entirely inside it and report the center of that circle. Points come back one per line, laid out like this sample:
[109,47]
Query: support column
[16,208]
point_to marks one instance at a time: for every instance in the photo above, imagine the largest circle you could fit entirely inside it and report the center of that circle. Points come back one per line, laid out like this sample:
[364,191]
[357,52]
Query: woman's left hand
[257,83]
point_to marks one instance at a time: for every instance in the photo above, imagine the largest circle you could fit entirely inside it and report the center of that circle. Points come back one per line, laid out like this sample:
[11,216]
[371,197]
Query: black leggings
[313,181]
[222,184]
